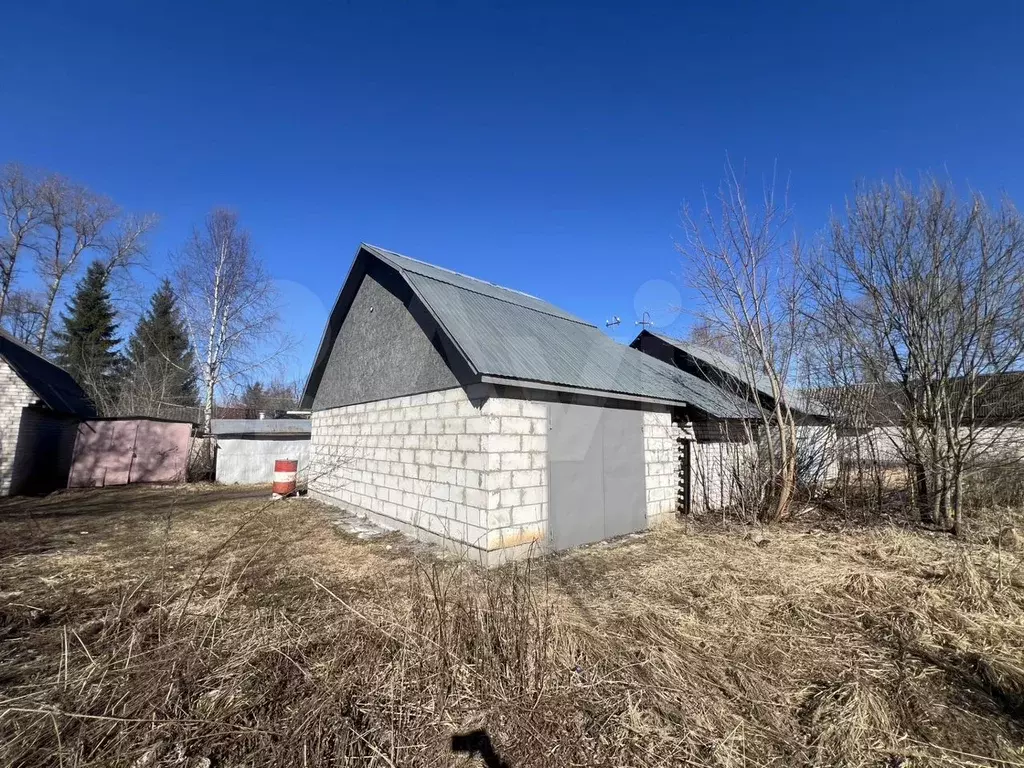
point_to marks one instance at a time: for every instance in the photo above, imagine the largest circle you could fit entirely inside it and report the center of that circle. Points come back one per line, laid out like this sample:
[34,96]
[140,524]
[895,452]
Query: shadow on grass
[478,744]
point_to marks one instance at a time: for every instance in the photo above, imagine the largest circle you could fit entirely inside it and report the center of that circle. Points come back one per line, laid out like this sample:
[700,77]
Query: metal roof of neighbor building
[54,386]
[510,337]
[267,427]
[715,359]
[998,398]
[712,358]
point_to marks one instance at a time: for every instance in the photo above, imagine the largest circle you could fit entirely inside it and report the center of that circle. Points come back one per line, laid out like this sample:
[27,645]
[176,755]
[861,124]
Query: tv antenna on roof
[614,321]
[645,320]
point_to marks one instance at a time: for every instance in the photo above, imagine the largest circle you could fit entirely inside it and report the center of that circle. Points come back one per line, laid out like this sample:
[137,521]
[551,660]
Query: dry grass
[199,627]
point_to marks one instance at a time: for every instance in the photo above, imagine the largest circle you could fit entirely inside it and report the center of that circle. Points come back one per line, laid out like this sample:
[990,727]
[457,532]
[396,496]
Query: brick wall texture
[471,472]
[468,471]
[661,462]
[14,396]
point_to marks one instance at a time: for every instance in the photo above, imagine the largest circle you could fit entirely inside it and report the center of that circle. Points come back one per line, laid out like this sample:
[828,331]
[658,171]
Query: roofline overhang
[508,381]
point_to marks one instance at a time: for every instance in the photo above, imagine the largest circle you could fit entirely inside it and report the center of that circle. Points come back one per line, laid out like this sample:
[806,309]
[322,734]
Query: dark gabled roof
[711,361]
[508,337]
[1000,398]
[52,384]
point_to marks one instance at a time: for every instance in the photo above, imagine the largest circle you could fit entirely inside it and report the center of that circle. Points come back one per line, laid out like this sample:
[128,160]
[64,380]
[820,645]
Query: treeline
[905,315]
[206,336]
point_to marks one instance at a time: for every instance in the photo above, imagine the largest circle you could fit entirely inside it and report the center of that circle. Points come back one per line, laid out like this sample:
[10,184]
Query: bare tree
[229,304]
[20,208]
[708,336]
[741,261]
[924,292]
[73,220]
[124,247]
[23,315]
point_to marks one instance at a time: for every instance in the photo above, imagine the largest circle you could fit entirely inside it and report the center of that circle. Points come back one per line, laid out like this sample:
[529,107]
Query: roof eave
[545,386]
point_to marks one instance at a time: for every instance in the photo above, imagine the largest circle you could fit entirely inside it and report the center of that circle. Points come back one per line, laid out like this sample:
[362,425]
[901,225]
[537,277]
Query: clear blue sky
[544,146]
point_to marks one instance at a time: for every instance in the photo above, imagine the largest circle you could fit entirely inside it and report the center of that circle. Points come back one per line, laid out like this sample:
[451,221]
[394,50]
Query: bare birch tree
[739,257]
[924,292]
[20,208]
[73,220]
[123,247]
[229,304]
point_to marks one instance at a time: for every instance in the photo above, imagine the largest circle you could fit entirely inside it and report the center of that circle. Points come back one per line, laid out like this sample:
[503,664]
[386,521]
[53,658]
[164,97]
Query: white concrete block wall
[661,463]
[241,460]
[14,396]
[515,445]
[717,472]
[440,465]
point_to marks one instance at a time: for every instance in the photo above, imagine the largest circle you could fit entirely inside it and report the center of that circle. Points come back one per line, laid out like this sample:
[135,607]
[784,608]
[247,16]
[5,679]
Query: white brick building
[487,420]
[39,407]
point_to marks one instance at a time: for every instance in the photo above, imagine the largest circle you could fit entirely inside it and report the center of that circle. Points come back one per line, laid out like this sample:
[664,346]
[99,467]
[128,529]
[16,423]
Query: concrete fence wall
[885,445]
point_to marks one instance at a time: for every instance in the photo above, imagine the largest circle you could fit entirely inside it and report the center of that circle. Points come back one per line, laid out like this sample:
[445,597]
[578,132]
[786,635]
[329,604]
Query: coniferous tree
[86,344]
[161,363]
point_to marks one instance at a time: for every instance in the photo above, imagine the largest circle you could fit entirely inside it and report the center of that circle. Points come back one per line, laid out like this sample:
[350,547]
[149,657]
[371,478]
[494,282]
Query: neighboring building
[724,451]
[40,405]
[871,419]
[488,420]
[248,448]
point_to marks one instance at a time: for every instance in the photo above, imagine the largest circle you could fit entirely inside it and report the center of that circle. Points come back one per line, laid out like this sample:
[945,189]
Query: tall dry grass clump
[218,632]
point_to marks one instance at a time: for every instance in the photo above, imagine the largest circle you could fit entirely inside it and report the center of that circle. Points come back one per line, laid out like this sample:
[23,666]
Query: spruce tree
[86,344]
[161,363]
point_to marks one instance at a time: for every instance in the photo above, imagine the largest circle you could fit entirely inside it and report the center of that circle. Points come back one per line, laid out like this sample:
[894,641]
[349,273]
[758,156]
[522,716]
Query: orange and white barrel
[285,471]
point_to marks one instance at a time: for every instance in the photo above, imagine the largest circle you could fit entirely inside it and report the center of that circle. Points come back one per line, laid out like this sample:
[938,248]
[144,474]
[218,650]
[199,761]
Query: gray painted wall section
[381,352]
[596,465]
[252,461]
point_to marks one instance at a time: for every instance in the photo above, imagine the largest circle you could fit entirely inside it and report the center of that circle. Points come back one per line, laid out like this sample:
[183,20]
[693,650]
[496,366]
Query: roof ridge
[564,316]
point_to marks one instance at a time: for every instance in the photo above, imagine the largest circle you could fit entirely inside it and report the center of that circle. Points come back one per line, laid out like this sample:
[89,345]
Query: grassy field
[205,627]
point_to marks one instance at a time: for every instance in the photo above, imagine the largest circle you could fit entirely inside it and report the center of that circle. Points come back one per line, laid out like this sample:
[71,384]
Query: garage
[486,420]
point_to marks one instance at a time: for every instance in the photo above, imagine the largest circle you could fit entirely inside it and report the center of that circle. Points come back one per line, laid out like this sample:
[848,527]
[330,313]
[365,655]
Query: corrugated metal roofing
[715,359]
[270,427]
[54,386]
[712,358]
[415,268]
[505,333]
[998,398]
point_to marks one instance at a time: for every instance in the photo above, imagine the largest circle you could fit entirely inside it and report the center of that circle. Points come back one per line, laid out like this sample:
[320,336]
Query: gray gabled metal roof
[711,359]
[514,337]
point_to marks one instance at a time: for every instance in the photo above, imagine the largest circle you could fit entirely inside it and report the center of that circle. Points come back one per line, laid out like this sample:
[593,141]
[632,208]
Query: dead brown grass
[201,627]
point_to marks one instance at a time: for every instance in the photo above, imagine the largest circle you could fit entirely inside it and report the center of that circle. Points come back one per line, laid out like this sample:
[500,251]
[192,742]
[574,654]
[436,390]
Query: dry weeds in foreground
[299,646]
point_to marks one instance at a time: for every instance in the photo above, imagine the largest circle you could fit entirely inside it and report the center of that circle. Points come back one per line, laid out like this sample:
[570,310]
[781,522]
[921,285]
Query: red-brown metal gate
[122,451]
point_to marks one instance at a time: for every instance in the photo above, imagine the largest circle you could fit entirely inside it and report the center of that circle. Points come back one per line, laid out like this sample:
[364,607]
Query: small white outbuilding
[246,449]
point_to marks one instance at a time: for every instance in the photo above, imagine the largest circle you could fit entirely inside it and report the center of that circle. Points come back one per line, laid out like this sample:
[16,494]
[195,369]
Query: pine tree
[161,363]
[86,344]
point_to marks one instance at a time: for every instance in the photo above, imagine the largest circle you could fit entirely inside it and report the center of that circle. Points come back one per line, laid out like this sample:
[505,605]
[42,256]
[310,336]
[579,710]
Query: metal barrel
[285,471]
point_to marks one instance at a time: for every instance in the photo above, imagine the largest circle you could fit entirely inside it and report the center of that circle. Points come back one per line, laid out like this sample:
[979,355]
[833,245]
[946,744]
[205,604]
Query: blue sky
[547,146]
